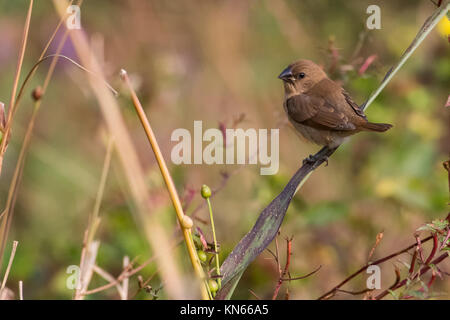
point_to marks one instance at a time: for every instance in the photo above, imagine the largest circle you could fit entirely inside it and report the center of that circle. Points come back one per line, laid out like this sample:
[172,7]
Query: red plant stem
[302,277]
[421,272]
[413,262]
[430,282]
[444,243]
[286,268]
[433,277]
[419,248]
[397,278]
[362,269]
[433,251]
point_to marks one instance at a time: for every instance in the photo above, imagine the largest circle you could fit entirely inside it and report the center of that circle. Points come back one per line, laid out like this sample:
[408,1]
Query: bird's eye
[301,75]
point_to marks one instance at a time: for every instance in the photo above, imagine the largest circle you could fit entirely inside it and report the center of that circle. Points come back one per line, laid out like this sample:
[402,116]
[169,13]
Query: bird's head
[300,76]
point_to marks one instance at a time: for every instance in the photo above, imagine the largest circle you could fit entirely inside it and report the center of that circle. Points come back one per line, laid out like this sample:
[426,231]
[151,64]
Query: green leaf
[435,225]
[394,294]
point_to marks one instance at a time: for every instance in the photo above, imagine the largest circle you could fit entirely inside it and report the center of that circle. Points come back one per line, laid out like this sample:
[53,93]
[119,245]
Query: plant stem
[16,80]
[429,24]
[6,221]
[155,233]
[184,221]
[8,268]
[215,241]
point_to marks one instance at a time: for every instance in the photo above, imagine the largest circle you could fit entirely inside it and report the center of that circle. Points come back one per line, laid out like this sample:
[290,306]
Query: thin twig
[211,217]
[433,251]
[277,257]
[143,285]
[87,266]
[20,290]
[108,277]
[419,248]
[286,268]
[303,277]
[127,272]
[377,262]
[16,82]
[94,219]
[254,294]
[6,223]
[413,262]
[124,293]
[8,268]
[354,293]
[405,281]
[377,242]
[444,243]
[397,278]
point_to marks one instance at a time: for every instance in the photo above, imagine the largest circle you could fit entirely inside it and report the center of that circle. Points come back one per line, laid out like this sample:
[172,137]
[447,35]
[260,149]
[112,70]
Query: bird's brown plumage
[320,109]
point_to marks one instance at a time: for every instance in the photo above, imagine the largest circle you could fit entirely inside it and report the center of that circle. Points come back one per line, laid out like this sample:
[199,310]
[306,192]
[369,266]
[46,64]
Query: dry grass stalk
[6,218]
[124,292]
[20,290]
[26,29]
[184,221]
[8,268]
[88,257]
[6,215]
[156,235]
[108,277]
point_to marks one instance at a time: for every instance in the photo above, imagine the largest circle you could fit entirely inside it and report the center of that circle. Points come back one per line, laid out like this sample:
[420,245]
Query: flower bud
[213,286]
[202,255]
[205,191]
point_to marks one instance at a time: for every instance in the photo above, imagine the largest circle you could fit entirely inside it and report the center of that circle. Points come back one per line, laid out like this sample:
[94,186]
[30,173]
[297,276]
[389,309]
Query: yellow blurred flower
[424,126]
[443,27]
[386,187]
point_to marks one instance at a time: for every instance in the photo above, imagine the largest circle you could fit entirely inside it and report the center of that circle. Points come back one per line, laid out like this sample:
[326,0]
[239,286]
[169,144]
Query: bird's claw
[313,159]
[309,160]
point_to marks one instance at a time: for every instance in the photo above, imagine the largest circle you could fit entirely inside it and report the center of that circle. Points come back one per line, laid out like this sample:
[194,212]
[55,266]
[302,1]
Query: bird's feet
[312,159]
[309,160]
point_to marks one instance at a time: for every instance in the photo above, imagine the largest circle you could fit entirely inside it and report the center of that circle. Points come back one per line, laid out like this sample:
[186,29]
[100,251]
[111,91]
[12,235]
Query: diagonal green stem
[429,24]
[215,241]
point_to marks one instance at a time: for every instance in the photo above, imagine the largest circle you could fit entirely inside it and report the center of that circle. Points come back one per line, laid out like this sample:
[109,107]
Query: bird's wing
[353,104]
[317,112]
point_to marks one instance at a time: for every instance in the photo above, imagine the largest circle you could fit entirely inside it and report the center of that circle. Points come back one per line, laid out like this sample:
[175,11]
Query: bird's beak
[286,75]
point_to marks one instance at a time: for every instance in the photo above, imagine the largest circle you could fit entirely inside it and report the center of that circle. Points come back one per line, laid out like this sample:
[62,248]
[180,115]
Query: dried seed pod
[37,93]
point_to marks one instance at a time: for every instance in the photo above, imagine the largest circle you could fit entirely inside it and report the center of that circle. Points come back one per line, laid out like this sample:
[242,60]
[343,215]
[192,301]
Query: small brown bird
[320,109]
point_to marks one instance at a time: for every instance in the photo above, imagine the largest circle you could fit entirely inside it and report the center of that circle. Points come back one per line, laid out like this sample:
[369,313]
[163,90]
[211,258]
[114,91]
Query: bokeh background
[218,61]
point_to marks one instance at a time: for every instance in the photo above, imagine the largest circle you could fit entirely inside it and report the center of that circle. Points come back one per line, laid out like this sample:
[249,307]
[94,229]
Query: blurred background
[218,61]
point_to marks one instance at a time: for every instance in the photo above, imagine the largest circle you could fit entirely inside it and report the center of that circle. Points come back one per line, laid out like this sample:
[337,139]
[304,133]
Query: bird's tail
[377,127]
